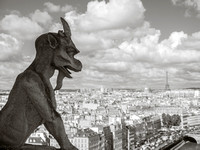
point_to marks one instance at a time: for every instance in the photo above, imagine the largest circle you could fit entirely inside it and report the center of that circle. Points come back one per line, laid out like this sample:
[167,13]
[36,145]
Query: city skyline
[123,44]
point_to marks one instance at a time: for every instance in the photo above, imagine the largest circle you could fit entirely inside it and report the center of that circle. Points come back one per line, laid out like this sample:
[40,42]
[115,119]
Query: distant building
[101,110]
[131,137]
[171,110]
[102,142]
[124,136]
[83,123]
[182,93]
[152,126]
[86,140]
[196,94]
[108,138]
[38,138]
[114,120]
[190,120]
[114,111]
[90,106]
[147,90]
[3,99]
[117,136]
[141,131]
[53,142]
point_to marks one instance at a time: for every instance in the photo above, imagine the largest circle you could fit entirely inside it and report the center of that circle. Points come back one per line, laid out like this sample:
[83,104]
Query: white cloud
[113,66]
[112,15]
[41,17]
[117,46]
[192,42]
[71,17]
[110,23]
[176,39]
[52,7]
[55,27]
[145,59]
[149,49]
[20,27]
[57,8]
[11,60]
[193,6]
[129,52]
[67,8]
[196,35]
[188,3]
[9,72]
[10,47]
[98,41]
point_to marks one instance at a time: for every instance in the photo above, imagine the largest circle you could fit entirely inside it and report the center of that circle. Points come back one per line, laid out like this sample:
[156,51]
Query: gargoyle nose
[79,66]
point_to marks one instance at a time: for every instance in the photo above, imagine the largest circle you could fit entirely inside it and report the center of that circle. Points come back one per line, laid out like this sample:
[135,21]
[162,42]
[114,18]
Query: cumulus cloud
[41,17]
[192,6]
[10,48]
[120,50]
[52,7]
[189,3]
[133,57]
[192,42]
[11,60]
[118,47]
[57,8]
[110,23]
[9,72]
[149,49]
[55,27]
[146,58]
[20,27]
[67,8]
[113,14]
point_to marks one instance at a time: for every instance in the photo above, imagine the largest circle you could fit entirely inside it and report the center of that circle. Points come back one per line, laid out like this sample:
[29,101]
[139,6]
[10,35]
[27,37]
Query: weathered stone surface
[32,101]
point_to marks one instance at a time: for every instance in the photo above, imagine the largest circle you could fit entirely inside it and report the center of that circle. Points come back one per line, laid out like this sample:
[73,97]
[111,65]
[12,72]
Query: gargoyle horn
[66,27]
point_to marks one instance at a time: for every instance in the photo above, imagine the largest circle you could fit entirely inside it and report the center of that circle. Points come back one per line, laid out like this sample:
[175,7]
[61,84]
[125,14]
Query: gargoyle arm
[36,94]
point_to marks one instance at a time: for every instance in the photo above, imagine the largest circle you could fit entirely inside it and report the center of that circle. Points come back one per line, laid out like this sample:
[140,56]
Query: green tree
[176,120]
[169,121]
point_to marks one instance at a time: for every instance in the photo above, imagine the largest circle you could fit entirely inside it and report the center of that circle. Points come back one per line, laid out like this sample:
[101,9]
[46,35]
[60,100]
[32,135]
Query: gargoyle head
[60,50]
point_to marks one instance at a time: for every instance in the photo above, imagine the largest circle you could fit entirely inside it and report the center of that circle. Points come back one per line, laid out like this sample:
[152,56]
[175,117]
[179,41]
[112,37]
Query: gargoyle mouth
[66,71]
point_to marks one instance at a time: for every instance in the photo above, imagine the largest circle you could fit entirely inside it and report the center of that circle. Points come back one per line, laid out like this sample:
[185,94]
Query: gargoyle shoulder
[30,79]
[35,90]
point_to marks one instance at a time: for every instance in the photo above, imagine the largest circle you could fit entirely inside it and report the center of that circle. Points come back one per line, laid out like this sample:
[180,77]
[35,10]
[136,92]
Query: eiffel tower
[167,84]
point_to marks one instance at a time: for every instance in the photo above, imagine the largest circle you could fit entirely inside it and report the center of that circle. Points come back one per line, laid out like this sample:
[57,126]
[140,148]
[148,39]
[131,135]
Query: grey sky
[168,18]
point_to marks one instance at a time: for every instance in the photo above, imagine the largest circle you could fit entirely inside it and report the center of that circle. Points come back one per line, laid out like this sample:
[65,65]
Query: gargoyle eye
[71,54]
[70,51]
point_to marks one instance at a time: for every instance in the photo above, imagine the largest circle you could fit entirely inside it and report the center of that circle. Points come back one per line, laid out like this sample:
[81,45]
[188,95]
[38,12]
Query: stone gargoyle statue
[32,100]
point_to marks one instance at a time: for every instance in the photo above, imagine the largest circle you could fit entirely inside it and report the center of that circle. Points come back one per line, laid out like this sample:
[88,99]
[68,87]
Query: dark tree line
[170,121]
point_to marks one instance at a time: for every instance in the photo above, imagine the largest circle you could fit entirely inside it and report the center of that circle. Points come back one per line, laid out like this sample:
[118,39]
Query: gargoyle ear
[52,41]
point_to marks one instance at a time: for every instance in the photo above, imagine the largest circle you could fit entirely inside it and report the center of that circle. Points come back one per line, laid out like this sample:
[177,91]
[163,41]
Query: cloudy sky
[123,43]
